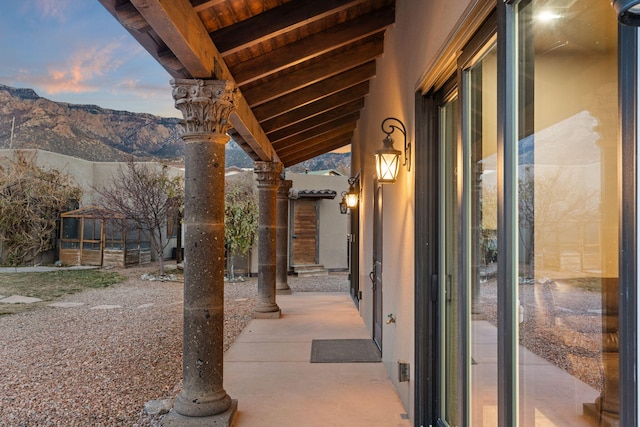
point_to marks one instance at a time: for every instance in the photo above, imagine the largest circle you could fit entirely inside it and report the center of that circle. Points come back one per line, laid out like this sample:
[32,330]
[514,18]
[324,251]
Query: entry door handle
[372,276]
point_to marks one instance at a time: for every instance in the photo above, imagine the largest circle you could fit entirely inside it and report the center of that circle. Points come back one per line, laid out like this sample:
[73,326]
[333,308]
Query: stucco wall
[333,226]
[411,47]
[80,170]
[88,175]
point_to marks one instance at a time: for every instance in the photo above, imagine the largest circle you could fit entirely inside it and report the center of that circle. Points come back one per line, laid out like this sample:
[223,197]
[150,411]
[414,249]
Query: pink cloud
[143,91]
[80,71]
[53,8]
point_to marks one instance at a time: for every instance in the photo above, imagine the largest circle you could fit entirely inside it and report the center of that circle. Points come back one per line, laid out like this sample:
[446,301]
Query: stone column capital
[284,188]
[205,104]
[267,173]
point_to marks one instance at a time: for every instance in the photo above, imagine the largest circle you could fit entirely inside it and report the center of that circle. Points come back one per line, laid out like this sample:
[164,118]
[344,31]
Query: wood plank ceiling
[302,66]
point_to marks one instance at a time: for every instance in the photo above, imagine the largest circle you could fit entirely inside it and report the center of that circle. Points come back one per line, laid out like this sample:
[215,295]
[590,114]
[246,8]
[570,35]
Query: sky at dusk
[74,51]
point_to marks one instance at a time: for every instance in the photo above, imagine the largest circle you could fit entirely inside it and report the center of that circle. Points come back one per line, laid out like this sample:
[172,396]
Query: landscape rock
[158,406]
[19,299]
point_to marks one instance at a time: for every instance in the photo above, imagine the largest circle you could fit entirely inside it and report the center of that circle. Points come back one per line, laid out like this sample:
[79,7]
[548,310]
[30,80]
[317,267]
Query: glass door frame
[447,94]
[484,39]
[628,99]
[507,216]
[427,226]
[628,110]
[427,260]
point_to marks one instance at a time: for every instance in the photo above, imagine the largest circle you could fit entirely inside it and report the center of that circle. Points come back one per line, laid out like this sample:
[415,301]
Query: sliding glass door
[528,220]
[479,147]
[567,195]
[449,294]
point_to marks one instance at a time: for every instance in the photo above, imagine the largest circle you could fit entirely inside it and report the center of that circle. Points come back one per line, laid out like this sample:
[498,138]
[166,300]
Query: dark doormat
[344,351]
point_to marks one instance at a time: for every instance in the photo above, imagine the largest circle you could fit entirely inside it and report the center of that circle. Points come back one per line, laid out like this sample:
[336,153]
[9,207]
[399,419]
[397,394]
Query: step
[312,273]
[310,270]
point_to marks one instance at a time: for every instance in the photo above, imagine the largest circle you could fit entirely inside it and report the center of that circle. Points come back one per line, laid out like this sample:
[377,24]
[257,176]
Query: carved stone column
[206,106]
[282,238]
[268,177]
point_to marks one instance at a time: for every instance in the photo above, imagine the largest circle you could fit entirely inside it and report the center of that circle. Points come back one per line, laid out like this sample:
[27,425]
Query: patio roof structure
[302,67]
[286,79]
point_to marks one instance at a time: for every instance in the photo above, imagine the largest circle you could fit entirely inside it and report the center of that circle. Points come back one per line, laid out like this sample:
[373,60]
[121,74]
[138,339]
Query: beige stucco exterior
[414,47]
[399,74]
[333,226]
[88,175]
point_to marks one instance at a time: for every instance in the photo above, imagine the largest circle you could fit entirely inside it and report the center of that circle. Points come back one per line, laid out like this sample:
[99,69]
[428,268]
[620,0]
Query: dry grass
[50,286]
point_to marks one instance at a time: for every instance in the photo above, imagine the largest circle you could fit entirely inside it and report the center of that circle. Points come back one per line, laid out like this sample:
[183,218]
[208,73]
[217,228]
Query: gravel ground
[562,323]
[97,366]
[87,365]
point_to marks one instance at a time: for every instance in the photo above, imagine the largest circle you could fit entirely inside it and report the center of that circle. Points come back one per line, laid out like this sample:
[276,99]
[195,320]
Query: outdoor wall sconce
[388,158]
[343,204]
[349,198]
[628,11]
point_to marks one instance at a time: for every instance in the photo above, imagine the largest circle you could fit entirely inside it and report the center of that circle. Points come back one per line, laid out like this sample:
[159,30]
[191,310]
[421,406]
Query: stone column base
[604,420]
[225,419]
[283,291]
[267,315]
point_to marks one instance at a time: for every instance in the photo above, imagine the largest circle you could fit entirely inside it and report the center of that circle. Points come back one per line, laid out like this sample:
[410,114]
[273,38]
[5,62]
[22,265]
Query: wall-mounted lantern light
[349,198]
[343,204]
[628,11]
[388,158]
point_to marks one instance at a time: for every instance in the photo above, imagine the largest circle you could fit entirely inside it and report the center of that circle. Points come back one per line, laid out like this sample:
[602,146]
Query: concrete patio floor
[268,370]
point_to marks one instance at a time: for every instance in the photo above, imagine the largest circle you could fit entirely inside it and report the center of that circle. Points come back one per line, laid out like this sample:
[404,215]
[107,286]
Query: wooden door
[305,232]
[92,241]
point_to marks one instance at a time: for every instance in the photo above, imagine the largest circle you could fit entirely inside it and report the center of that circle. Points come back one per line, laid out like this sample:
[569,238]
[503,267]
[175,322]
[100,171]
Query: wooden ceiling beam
[147,38]
[315,91]
[319,139]
[130,18]
[316,107]
[180,28]
[314,72]
[318,130]
[327,116]
[243,144]
[169,60]
[312,152]
[200,5]
[274,22]
[314,45]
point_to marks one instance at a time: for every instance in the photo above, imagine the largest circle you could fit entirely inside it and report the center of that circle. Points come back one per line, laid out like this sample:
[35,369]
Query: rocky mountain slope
[99,134]
[86,131]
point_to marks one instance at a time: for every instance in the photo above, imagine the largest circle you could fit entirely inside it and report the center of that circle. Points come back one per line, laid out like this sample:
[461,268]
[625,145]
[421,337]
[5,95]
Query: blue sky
[75,51]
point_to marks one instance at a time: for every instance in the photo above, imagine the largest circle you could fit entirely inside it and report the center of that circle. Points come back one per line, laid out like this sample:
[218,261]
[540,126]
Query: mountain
[341,162]
[102,135]
[85,131]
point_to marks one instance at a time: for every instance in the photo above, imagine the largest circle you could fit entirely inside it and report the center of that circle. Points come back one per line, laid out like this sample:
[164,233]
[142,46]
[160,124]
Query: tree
[240,216]
[544,207]
[148,197]
[31,201]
